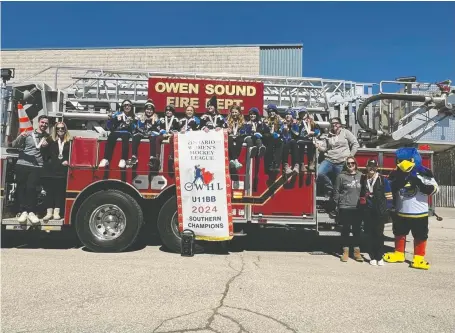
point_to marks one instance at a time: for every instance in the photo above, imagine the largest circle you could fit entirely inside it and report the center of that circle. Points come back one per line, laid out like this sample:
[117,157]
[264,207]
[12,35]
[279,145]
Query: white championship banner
[203,184]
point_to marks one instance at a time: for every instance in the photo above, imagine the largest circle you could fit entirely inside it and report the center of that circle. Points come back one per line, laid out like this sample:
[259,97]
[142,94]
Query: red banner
[195,92]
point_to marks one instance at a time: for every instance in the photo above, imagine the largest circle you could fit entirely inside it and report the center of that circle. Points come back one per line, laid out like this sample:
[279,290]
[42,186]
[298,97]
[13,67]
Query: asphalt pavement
[282,282]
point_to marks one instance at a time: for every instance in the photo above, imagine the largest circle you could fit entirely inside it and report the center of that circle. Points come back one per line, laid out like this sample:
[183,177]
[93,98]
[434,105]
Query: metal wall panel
[445,197]
[281,60]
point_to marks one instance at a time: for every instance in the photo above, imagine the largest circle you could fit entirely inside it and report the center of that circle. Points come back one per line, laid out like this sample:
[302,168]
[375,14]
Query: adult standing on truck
[340,144]
[28,168]
[346,196]
[55,171]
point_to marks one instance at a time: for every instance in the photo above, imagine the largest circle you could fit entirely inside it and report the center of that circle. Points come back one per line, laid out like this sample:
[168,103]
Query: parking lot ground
[282,282]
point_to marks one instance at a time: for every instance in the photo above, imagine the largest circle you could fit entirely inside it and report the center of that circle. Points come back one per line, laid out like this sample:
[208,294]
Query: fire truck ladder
[413,115]
[88,93]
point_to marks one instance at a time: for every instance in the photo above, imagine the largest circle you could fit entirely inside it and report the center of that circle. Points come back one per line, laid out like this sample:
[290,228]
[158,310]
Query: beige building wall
[232,60]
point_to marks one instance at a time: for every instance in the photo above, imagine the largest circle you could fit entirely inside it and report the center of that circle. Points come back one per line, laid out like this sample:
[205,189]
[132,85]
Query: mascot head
[408,160]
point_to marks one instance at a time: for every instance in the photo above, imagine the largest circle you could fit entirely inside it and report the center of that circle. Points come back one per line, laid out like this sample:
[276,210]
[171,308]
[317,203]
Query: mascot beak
[406,166]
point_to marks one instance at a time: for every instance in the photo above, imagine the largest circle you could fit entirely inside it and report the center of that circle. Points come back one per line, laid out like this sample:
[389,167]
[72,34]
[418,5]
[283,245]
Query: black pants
[55,188]
[292,148]
[153,144]
[374,227]
[253,141]
[418,227]
[27,179]
[310,150]
[235,146]
[274,150]
[112,140]
[350,218]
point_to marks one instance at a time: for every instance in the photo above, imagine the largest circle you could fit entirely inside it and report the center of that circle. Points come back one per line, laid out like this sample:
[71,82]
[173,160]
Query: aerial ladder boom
[415,123]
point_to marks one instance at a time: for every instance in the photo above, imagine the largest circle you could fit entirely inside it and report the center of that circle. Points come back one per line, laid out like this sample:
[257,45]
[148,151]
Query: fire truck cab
[108,207]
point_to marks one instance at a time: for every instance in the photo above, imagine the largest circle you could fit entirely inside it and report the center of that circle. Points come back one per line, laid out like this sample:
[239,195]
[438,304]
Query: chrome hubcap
[107,222]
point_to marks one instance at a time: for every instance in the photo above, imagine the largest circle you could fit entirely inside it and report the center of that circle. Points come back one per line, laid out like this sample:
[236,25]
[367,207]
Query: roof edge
[153,47]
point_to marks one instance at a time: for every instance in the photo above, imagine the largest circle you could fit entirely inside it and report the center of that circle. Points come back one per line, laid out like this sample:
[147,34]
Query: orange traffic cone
[24,122]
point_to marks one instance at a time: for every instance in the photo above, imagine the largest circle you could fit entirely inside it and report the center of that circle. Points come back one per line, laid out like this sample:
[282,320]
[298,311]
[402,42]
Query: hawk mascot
[411,184]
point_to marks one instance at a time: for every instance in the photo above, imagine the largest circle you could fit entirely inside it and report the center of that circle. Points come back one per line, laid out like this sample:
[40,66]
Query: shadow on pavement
[276,240]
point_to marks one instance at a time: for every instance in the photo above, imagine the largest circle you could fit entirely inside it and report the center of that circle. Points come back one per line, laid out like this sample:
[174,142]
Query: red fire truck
[108,207]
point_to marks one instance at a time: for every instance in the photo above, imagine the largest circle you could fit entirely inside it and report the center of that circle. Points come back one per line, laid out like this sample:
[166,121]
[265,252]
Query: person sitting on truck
[376,199]
[272,138]
[55,170]
[212,119]
[309,131]
[237,134]
[28,168]
[190,122]
[121,125]
[340,144]
[290,133]
[147,127]
[169,124]
[346,197]
[254,130]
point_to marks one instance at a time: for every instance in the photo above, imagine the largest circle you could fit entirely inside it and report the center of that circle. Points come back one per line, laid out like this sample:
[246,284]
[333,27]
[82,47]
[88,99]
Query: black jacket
[52,166]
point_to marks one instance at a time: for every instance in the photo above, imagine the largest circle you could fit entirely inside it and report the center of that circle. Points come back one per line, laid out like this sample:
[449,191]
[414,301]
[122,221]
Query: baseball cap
[372,163]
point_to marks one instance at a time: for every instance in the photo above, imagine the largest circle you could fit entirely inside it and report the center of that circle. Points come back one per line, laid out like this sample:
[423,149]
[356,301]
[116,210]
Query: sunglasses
[351,163]
[60,128]
[127,105]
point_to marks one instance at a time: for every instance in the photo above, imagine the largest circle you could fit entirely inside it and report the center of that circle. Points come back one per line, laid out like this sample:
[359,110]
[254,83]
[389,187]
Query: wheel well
[165,195]
[103,185]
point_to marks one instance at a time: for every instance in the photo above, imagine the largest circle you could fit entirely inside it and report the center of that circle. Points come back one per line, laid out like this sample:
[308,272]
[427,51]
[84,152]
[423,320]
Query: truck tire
[109,221]
[168,227]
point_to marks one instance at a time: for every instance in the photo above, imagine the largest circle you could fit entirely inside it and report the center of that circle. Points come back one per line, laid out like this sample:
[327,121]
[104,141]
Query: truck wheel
[109,221]
[168,227]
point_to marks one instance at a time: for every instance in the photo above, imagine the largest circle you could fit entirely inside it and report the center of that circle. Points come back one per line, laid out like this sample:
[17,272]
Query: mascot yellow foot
[419,262]
[394,257]
[398,255]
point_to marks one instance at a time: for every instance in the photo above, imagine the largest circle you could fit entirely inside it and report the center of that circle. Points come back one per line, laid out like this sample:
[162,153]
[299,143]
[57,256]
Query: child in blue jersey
[169,124]
[290,132]
[254,131]
[121,124]
[309,131]
[272,138]
[147,127]
[212,119]
[189,122]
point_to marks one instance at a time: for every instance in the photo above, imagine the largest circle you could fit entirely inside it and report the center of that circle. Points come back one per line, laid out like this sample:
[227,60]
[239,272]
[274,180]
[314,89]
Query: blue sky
[360,41]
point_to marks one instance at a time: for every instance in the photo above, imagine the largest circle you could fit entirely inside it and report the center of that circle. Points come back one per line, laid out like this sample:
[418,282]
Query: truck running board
[329,233]
[14,224]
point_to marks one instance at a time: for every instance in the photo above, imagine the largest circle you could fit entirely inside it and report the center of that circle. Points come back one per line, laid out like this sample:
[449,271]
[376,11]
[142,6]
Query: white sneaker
[57,214]
[103,163]
[381,262]
[48,216]
[122,164]
[237,164]
[33,218]
[373,262]
[23,217]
